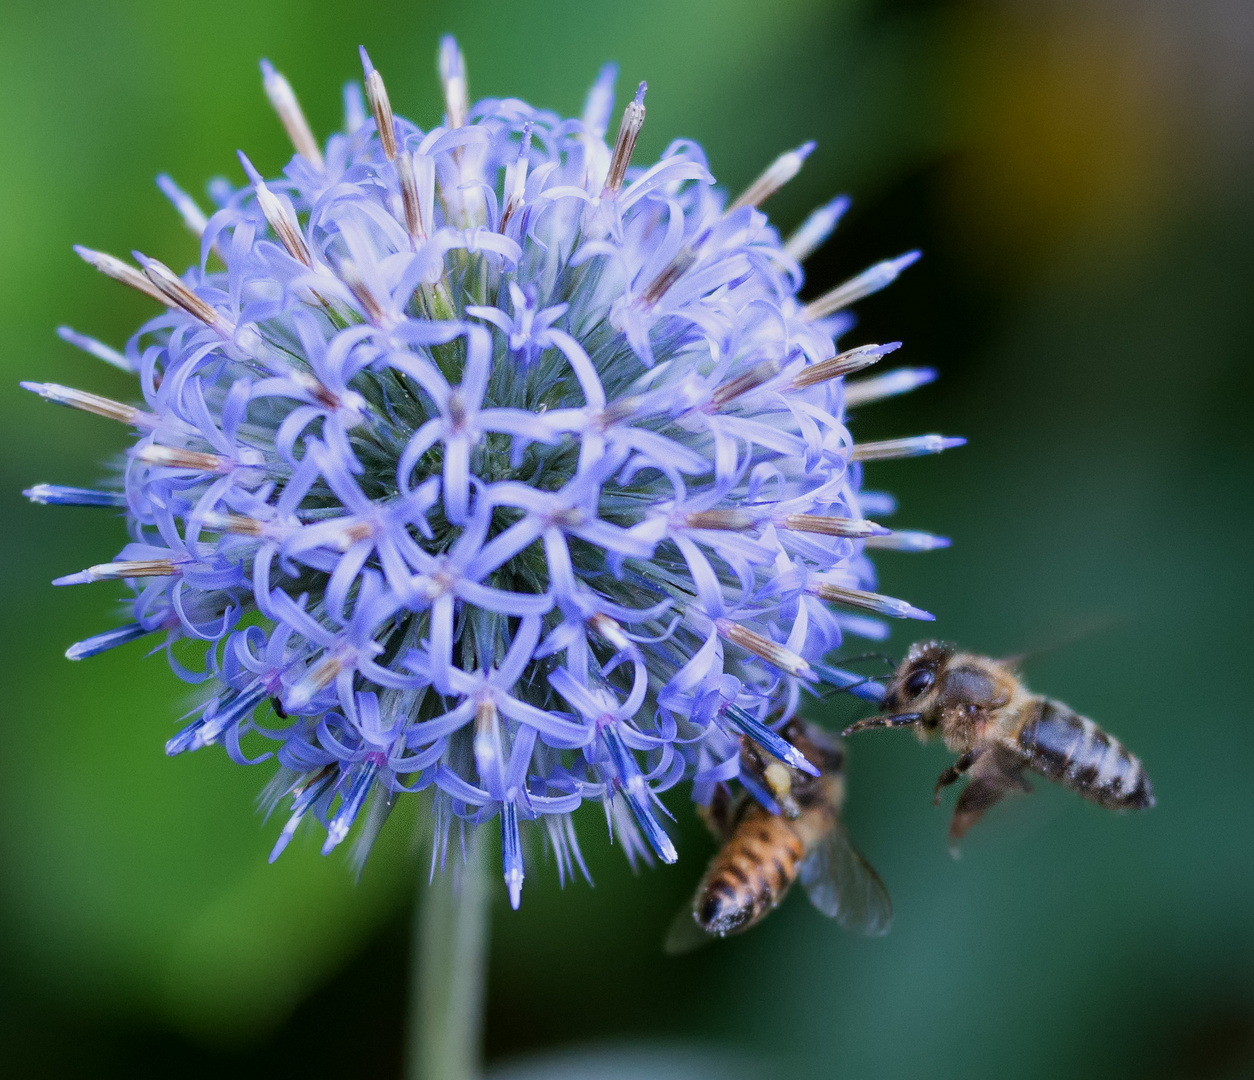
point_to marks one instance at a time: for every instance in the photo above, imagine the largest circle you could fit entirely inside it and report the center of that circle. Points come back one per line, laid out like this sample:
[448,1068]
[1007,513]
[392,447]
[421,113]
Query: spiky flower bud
[480,460]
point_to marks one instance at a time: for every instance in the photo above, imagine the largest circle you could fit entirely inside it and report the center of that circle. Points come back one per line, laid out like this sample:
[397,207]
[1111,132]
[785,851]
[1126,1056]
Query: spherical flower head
[483,461]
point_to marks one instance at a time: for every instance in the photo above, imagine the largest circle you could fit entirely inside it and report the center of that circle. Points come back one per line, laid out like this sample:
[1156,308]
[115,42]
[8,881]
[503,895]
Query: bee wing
[685,933]
[845,887]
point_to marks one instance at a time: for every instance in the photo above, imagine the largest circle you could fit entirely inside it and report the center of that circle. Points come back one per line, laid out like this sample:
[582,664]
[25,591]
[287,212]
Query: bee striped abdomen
[1072,750]
[750,875]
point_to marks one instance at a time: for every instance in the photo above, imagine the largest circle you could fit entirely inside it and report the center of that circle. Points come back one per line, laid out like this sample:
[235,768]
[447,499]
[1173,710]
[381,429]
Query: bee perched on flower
[484,462]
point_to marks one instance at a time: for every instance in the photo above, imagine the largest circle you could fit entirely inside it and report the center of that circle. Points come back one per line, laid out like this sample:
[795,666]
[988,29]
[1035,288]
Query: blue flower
[483,462]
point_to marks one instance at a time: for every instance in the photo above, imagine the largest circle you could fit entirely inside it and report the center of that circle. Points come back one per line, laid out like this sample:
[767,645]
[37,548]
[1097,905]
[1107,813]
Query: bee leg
[955,771]
[977,797]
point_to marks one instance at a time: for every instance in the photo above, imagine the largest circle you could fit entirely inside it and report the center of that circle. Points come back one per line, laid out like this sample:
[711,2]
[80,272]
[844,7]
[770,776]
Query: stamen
[610,629]
[278,214]
[110,639]
[904,448]
[780,171]
[354,108]
[845,364]
[743,383]
[869,281]
[784,169]
[905,540]
[169,283]
[192,215]
[518,178]
[815,229]
[239,524]
[92,403]
[725,520]
[773,653]
[279,91]
[374,311]
[831,526]
[380,106]
[628,132]
[55,495]
[675,269]
[409,197]
[511,853]
[318,676]
[453,80]
[772,742]
[600,101]
[96,348]
[120,271]
[488,752]
[172,457]
[867,601]
[352,534]
[116,571]
[890,384]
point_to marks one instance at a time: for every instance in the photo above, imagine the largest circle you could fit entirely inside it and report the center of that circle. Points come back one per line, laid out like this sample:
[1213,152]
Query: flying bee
[785,826]
[1000,729]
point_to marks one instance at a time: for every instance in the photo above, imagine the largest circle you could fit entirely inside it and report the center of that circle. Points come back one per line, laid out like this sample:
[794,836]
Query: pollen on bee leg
[776,175]
[283,99]
[125,273]
[628,132]
[778,779]
[772,652]
[92,403]
[916,446]
[869,281]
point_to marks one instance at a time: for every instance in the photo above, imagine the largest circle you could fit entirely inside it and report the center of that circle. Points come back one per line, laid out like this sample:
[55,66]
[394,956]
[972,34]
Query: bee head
[914,688]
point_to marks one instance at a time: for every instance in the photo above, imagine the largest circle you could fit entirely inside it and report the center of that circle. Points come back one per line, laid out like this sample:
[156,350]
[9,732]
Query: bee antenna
[894,664]
[897,720]
[833,690]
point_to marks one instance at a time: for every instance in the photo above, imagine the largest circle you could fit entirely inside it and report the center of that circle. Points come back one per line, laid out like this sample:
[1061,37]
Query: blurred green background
[1080,176]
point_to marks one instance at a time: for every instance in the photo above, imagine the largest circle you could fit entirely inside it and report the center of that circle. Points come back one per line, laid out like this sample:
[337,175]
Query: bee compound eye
[919,681]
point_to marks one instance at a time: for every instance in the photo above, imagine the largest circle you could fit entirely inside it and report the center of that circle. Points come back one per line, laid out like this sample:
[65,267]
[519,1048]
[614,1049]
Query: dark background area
[1080,176]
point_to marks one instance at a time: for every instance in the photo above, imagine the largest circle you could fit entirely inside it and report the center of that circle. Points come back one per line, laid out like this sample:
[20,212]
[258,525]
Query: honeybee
[1000,729]
[786,826]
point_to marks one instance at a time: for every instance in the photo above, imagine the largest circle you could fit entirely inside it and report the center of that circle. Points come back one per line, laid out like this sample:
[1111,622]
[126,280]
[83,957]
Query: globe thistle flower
[487,462]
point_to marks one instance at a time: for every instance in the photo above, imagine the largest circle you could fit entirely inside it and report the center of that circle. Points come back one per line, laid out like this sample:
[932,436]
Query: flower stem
[448,962]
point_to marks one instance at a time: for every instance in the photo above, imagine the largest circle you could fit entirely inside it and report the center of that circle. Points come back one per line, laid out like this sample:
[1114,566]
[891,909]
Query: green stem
[448,962]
